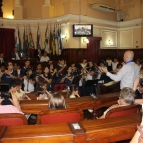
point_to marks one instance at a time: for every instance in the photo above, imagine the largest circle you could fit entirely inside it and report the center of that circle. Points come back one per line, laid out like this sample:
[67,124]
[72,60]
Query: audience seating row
[63,116]
[87,102]
[89,131]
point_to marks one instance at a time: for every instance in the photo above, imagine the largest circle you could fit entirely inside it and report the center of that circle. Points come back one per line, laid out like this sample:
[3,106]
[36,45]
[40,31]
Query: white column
[47,3]
[17,2]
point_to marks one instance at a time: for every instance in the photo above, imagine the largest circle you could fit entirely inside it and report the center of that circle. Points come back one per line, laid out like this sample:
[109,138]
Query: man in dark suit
[38,53]
[2,60]
[15,55]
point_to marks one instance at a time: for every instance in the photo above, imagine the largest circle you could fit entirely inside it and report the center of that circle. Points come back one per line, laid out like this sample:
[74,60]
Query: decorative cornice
[122,2]
[67,18]
[107,2]
[131,22]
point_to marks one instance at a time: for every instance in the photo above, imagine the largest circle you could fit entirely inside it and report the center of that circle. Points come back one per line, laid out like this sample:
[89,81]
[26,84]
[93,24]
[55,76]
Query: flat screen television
[82,30]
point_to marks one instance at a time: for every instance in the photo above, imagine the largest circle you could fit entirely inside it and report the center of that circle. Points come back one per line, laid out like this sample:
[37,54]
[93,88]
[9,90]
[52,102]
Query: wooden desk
[87,102]
[97,131]
[110,87]
[38,134]
[111,129]
[2,131]
[35,106]
[107,99]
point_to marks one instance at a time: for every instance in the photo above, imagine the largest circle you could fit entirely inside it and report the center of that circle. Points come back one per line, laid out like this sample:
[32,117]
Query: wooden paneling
[138,53]
[105,53]
[76,55]
[119,53]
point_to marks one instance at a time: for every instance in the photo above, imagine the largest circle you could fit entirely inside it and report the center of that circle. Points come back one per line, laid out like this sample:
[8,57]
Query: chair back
[12,119]
[124,110]
[59,116]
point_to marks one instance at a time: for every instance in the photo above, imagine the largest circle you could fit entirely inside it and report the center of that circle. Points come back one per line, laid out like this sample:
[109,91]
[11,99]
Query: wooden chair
[12,119]
[59,116]
[124,110]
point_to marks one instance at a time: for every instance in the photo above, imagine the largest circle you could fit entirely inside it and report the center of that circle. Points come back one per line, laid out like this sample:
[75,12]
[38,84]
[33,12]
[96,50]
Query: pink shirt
[9,109]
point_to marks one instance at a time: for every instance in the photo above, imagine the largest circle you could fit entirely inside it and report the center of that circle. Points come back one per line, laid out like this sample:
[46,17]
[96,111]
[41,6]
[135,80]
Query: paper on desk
[109,83]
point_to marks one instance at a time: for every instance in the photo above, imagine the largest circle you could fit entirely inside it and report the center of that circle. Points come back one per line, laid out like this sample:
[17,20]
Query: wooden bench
[99,131]
[87,102]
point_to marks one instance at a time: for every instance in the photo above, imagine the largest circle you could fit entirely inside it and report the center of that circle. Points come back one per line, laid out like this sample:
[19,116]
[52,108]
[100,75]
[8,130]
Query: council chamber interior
[55,56]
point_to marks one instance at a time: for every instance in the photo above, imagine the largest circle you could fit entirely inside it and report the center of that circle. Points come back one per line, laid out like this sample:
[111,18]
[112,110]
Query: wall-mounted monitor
[82,30]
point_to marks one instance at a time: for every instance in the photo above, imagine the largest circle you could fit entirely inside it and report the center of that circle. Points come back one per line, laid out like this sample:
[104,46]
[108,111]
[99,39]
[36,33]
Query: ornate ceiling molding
[103,1]
[132,2]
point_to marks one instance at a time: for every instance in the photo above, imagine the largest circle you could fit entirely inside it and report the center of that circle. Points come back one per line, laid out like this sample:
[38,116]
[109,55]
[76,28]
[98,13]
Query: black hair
[118,65]
[73,87]
[72,63]
[84,58]
[18,81]
[39,64]
[27,61]
[61,59]
[12,83]
[6,102]
[41,83]
[39,91]
[141,69]
[7,64]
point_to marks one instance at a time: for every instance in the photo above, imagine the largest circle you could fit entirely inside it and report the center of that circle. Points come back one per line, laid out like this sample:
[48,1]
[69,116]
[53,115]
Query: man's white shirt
[127,74]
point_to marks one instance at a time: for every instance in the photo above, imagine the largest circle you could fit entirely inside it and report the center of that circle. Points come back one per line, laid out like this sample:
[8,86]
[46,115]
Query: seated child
[20,94]
[29,81]
[10,104]
[44,85]
[47,76]
[57,102]
[41,94]
[73,93]
[67,79]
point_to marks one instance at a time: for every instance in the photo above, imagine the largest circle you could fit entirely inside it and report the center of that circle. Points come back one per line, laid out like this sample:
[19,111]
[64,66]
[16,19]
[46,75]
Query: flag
[30,42]
[18,42]
[54,43]
[24,41]
[50,42]
[57,43]
[27,40]
[38,39]
[60,41]
[46,41]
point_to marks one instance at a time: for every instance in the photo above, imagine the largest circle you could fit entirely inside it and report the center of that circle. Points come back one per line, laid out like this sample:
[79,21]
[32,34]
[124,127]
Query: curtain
[7,42]
[93,49]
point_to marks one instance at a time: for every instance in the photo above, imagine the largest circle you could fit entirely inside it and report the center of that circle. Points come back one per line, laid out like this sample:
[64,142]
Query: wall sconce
[64,36]
[85,40]
[110,42]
